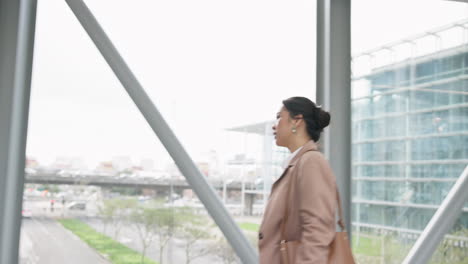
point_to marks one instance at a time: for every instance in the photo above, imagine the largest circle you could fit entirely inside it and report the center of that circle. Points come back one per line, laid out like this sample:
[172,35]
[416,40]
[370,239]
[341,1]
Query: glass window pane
[97,174]
[412,144]
[453,247]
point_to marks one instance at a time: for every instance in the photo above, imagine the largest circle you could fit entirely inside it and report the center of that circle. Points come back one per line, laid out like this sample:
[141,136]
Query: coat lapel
[311,145]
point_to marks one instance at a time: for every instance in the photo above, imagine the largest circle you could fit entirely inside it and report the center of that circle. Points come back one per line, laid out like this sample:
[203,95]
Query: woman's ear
[298,120]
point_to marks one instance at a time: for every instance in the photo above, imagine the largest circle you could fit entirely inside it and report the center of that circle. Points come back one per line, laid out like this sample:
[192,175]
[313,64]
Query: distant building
[106,167]
[121,163]
[410,137]
[261,168]
[147,164]
[32,163]
[69,163]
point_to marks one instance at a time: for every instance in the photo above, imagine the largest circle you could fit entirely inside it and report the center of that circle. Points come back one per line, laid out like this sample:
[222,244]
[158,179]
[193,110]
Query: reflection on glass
[410,144]
[453,248]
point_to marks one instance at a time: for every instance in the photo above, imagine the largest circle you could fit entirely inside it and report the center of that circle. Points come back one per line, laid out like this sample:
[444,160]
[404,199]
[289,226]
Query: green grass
[367,246]
[115,252]
[249,226]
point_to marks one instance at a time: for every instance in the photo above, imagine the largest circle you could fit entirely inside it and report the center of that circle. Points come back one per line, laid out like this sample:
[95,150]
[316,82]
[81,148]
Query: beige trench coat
[312,207]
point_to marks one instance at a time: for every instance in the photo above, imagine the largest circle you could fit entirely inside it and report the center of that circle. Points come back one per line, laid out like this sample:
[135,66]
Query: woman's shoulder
[313,155]
[314,159]
[316,162]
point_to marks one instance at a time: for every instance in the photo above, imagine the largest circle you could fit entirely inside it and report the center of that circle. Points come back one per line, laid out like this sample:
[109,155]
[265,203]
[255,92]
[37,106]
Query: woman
[311,203]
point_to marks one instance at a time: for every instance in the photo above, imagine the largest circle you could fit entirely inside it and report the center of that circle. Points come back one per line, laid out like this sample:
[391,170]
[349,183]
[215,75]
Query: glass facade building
[410,134]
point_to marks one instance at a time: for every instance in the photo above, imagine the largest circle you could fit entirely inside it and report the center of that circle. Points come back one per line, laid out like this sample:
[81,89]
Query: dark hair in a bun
[315,118]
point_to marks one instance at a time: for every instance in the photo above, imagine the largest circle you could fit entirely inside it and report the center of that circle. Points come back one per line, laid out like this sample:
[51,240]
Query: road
[45,241]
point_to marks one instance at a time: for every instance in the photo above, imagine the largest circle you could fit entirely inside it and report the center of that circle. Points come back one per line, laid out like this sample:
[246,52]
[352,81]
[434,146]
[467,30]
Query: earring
[294,130]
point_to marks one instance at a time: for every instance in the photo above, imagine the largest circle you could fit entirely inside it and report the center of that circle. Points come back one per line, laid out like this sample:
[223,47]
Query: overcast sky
[207,64]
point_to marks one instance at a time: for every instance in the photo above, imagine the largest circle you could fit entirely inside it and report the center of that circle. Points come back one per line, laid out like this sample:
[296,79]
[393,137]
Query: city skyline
[238,72]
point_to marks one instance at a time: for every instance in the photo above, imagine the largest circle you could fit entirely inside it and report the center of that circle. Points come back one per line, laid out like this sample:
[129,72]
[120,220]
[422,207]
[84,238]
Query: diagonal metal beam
[17,26]
[194,177]
[440,223]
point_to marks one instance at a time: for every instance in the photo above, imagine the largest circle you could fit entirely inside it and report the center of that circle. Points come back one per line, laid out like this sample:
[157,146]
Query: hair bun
[322,118]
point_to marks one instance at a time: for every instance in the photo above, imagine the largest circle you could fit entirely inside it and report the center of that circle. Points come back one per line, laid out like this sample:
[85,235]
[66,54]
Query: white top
[286,162]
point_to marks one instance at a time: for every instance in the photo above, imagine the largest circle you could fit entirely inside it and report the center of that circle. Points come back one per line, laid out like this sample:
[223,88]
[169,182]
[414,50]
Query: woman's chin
[278,143]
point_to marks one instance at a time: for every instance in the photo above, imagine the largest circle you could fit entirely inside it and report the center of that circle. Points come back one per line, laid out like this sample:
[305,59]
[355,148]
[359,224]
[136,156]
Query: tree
[145,221]
[167,223]
[53,188]
[106,211]
[117,212]
[451,250]
[223,250]
[194,229]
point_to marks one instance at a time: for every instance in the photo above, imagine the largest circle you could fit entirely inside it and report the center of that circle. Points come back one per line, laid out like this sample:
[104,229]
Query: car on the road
[30,171]
[77,206]
[26,213]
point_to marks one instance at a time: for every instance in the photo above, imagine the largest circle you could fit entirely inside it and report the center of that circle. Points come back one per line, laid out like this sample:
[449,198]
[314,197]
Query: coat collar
[311,145]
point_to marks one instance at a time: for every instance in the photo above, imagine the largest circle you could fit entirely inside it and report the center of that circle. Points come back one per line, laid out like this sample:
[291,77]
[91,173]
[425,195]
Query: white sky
[207,64]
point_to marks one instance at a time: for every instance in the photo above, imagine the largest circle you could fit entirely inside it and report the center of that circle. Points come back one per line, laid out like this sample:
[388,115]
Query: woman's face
[282,129]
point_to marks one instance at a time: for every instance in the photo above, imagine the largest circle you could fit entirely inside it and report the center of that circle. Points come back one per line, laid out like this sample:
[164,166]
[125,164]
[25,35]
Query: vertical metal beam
[243,171]
[440,223]
[334,90]
[194,177]
[267,162]
[17,24]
